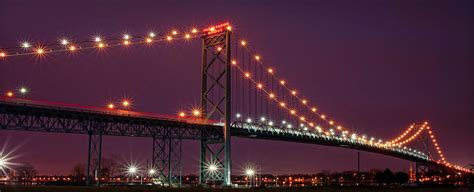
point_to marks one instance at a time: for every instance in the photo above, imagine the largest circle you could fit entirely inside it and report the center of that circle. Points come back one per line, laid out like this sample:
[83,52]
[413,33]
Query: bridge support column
[421,169]
[215,157]
[167,161]
[94,159]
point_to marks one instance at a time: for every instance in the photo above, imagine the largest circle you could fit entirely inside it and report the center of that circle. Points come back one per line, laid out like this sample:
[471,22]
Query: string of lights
[98,42]
[304,102]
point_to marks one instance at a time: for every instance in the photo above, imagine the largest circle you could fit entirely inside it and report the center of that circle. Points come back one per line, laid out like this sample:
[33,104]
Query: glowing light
[72,48]
[174,32]
[132,170]
[219,49]
[149,40]
[262,119]
[39,51]
[10,94]
[196,112]
[151,34]
[97,39]
[293,112]
[238,115]
[313,109]
[293,92]
[323,116]
[212,168]
[234,62]
[331,122]
[3,54]
[151,172]
[249,172]
[270,70]
[169,38]
[126,42]
[194,30]
[247,75]
[282,104]
[126,103]
[243,43]
[260,85]
[229,28]
[101,45]
[304,101]
[126,36]
[25,45]
[187,36]
[272,95]
[302,118]
[64,42]
[249,120]
[110,106]
[257,57]
[23,90]
[282,82]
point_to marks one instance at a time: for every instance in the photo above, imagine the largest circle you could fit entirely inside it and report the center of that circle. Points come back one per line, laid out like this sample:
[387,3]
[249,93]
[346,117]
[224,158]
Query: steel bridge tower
[215,160]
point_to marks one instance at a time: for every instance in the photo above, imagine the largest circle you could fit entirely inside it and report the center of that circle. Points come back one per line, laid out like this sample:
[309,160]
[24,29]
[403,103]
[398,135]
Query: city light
[182,114]
[72,48]
[23,90]
[187,36]
[10,94]
[110,106]
[126,103]
[25,45]
[151,172]
[40,51]
[196,112]
[64,42]
[126,37]
[243,43]
[194,30]
[250,172]
[3,54]
[97,39]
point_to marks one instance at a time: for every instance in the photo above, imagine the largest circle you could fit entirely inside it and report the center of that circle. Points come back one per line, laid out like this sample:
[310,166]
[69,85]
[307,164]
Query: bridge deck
[26,115]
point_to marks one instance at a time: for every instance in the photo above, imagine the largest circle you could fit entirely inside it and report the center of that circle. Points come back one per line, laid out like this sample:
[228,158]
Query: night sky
[374,65]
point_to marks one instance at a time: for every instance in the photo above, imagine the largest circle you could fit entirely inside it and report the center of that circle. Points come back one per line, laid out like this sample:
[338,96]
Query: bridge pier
[94,158]
[167,161]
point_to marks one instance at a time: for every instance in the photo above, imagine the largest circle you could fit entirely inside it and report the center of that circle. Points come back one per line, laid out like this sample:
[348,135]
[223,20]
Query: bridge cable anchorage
[66,45]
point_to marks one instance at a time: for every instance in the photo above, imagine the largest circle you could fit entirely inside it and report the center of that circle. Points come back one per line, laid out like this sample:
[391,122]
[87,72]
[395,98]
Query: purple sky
[374,65]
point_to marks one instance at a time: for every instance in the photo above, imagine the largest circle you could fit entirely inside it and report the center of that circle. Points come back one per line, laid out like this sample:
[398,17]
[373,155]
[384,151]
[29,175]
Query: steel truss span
[21,116]
[31,117]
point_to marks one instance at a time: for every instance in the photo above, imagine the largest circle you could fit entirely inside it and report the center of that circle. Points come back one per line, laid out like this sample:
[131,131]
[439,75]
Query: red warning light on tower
[217,28]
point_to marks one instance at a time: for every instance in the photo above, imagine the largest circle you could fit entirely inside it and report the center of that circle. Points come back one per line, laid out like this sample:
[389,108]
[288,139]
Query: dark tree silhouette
[401,177]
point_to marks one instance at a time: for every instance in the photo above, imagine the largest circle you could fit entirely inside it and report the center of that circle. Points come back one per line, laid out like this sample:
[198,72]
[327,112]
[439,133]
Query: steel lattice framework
[167,134]
[216,104]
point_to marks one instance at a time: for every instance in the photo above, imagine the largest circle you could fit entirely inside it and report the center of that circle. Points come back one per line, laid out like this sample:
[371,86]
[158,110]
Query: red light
[217,28]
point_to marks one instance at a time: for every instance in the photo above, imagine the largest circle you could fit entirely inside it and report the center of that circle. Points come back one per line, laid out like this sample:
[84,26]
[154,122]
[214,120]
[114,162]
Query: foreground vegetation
[153,189]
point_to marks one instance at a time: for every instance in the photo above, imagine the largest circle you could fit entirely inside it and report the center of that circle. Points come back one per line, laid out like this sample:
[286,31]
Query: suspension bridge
[241,96]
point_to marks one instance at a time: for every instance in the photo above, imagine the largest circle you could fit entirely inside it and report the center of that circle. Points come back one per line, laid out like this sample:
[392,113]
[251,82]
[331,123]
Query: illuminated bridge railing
[262,131]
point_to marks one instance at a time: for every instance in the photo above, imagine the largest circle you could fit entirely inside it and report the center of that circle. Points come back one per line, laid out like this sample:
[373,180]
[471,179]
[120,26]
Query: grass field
[151,189]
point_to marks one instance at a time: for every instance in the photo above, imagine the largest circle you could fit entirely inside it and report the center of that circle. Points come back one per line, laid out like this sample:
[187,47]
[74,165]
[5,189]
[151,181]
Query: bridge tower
[215,160]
